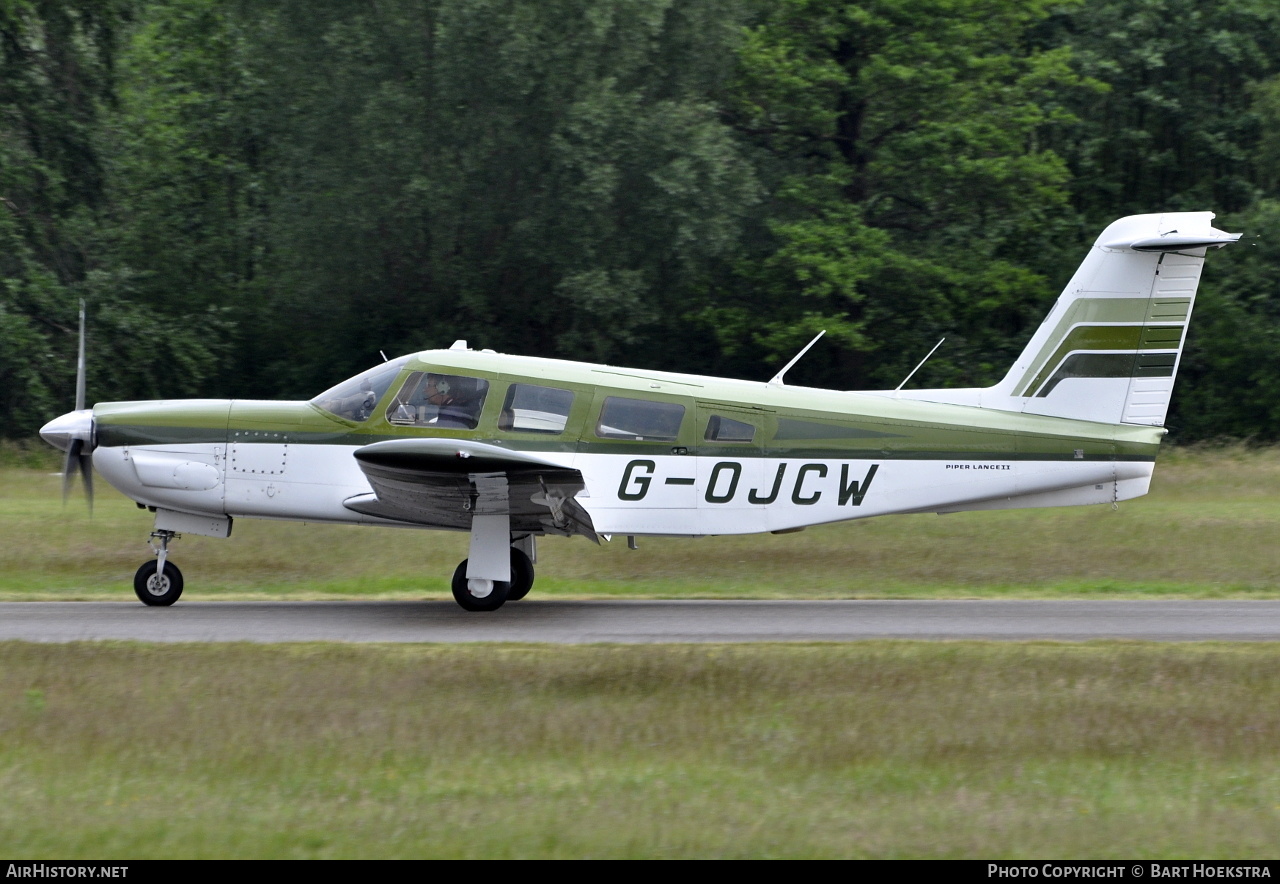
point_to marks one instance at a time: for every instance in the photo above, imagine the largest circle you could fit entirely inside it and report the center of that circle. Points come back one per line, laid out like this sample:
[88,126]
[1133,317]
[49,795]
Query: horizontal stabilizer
[1173,241]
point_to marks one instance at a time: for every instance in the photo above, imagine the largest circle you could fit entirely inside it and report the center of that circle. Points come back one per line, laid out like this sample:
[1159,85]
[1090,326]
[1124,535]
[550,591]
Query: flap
[442,483]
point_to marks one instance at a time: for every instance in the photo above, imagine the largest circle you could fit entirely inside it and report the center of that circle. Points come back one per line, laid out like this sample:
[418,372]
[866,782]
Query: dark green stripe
[1111,365]
[1106,337]
[1155,365]
[789,429]
[816,454]
[119,435]
[1021,448]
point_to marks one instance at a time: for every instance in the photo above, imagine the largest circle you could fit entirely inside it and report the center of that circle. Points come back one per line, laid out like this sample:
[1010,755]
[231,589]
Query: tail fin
[1109,349]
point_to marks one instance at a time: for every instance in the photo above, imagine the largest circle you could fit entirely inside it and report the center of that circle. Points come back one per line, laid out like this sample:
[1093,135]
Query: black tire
[521,575]
[462,594]
[166,592]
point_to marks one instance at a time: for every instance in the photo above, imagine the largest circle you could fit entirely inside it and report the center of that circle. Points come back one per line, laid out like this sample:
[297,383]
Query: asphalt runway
[578,622]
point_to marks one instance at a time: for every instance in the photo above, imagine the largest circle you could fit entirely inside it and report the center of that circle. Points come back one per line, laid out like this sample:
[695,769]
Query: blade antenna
[777,378]
[898,388]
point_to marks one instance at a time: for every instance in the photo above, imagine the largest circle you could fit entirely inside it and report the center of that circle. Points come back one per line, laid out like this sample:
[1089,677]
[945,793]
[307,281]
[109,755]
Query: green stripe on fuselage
[793,421]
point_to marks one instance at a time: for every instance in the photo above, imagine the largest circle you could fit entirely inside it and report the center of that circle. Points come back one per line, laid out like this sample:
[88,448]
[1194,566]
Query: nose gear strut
[159,583]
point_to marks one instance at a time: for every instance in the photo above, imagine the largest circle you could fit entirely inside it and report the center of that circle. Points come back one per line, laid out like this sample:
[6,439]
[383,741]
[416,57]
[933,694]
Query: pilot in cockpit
[445,401]
[455,404]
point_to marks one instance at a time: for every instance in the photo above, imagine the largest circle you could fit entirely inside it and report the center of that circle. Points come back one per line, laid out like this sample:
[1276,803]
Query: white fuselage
[665,494]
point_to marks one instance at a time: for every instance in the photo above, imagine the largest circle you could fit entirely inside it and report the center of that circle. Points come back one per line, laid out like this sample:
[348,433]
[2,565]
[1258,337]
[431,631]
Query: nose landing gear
[159,582]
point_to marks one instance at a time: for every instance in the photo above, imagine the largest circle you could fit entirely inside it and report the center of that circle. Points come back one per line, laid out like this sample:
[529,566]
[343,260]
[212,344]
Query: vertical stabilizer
[1110,348]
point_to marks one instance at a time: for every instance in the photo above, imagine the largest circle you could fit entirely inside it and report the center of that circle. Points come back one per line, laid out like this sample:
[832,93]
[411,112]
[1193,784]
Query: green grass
[1207,530]
[873,749]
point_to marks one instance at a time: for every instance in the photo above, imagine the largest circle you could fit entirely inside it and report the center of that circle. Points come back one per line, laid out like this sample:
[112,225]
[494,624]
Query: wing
[441,483]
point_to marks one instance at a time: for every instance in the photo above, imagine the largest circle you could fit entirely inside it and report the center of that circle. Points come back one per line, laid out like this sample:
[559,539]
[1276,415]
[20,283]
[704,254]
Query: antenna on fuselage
[777,378]
[898,388]
[384,356]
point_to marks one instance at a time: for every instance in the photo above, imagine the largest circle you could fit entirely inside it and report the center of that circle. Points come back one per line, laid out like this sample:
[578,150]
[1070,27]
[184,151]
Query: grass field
[871,749]
[1207,530]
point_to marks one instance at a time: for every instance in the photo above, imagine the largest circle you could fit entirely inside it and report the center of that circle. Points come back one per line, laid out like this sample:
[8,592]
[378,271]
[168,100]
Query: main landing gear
[159,582]
[483,594]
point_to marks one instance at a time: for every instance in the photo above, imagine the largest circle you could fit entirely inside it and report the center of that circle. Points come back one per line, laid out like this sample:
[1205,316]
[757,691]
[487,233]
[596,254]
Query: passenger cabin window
[639,420]
[723,429]
[355,399]
[442,401]
[533,409]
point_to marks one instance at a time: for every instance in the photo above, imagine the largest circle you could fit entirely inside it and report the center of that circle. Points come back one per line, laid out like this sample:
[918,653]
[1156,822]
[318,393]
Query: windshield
[354,399]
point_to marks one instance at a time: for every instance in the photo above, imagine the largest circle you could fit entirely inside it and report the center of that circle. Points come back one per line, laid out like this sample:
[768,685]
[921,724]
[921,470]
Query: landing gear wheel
[477,594]
[521,575]
[158,590]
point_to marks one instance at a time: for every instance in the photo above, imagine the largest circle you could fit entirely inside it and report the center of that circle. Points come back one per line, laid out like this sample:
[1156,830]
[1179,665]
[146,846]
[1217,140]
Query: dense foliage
[256,198]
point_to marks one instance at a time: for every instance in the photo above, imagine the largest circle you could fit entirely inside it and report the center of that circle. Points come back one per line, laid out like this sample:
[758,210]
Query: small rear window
[723,429]
[639,420]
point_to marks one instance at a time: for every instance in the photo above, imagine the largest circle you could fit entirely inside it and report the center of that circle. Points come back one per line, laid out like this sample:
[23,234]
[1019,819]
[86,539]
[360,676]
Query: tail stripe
[1107,338]
[1110,348]
[1111,365]
[1082,311]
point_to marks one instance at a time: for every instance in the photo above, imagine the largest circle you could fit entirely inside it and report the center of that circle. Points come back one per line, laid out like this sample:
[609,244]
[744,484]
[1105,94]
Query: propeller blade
[80,364]
[68,467]
[78,457]
[86,470]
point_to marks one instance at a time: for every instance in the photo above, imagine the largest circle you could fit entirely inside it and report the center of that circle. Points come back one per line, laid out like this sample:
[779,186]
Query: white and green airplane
[508,448]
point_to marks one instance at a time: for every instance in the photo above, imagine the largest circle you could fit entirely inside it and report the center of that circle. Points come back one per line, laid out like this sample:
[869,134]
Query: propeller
[76,455]
[73,433]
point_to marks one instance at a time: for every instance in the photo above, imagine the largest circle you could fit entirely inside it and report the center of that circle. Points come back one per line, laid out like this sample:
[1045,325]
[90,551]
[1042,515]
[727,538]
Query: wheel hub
[480,587]
[158,584]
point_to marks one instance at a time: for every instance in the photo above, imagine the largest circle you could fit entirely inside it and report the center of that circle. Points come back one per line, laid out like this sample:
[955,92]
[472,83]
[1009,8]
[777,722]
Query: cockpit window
[445,401]
[354,399]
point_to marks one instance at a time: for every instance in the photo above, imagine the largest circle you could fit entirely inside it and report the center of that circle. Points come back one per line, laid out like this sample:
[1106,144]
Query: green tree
[56,73]
[184,151]
[913,198]
[1187,123]
[58,243]
[1176,128]
[550,178]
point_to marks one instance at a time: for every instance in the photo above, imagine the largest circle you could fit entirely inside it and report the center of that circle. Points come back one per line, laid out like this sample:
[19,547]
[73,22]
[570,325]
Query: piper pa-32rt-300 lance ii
[508,448]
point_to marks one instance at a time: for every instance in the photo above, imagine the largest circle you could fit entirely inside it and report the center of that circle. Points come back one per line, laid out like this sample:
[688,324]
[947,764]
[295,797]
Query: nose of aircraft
[62,431]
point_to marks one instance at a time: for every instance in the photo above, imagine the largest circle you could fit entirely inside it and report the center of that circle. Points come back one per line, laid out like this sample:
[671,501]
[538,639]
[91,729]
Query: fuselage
[659,453]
